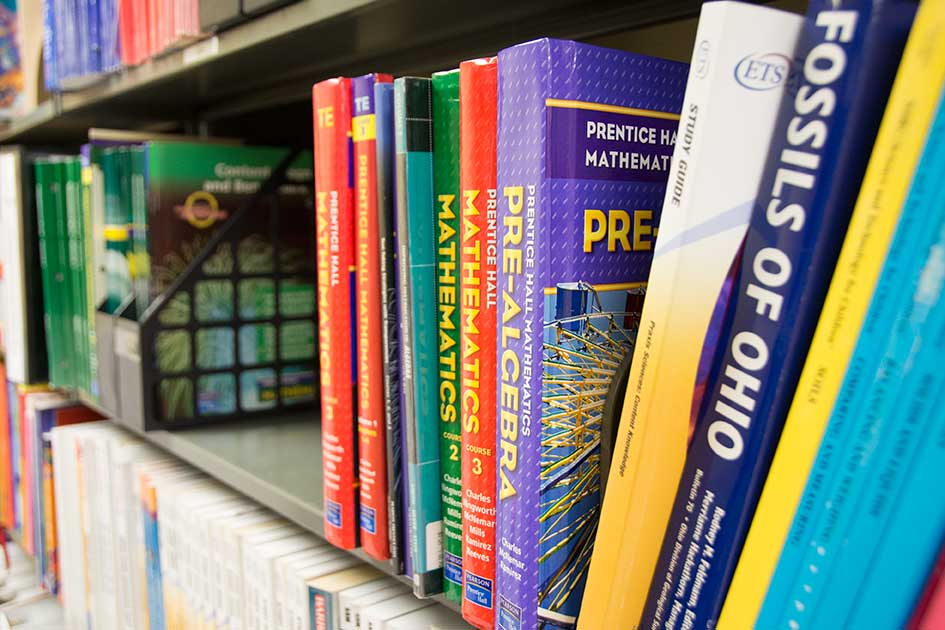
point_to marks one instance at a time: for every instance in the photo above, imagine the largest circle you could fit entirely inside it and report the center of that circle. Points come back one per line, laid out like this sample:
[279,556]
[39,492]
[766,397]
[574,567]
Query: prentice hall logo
[762,71]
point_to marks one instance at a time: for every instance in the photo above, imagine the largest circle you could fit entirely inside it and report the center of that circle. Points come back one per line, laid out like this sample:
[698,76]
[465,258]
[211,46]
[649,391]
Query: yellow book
[912,104]
[728,120]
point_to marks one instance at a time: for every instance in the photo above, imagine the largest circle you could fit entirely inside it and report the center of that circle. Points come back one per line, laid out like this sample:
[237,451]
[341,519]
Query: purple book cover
[585,140]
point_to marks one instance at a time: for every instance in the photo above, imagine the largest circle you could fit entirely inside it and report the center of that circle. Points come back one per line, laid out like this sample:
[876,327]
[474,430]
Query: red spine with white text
[372,428]
[477,111]
[335,247]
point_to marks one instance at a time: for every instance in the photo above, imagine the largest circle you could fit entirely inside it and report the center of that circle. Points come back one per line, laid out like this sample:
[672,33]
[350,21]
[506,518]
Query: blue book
[109,53]
[881,361]
[82,30]
[814,170]
[583,153]
[418,311]
[50,50]
[912,535]
[384,143]
[93,49]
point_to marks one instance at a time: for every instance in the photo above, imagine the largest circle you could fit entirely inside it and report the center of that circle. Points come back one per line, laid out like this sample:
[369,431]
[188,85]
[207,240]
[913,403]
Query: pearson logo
[762,71]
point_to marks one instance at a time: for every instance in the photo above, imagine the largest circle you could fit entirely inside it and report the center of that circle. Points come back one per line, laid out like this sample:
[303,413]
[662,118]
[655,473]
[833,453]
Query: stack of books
[590,321]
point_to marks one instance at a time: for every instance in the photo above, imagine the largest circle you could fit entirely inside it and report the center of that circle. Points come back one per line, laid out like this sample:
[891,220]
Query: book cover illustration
[445,89]
[372,434]
[479,230]
[416,248]
[806,196]
[192,190]
[583,157]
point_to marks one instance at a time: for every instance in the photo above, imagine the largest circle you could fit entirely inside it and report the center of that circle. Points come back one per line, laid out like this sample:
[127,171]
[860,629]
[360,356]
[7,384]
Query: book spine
[858,433]
[50,54]
[140,263]
[63,274]
[931,604]
[445,93]
[88,278]
[885,183]
[793,237]
[413,131]
[45,209]
[688,289]
[335,238]
[386,219]
[372,434]
[109,31]
[94,38]
[478,99]
[126,32]
[76,265]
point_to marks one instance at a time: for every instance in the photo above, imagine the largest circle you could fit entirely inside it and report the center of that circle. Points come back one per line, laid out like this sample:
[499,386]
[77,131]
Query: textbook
[377,616]
[741,62]
[445,88]
[583,157]
[477,106]
[899,141]
[807,194]
[372,426]
[335,243]
[353,599]
[22,336]
[390,330]
[324,592]
[418,314]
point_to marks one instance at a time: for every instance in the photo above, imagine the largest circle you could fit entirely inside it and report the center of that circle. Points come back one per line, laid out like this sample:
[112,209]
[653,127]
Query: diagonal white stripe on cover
[722,222]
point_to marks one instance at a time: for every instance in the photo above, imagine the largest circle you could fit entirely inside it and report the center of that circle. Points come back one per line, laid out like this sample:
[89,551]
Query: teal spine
[908,379]
[414,171]
[860,434]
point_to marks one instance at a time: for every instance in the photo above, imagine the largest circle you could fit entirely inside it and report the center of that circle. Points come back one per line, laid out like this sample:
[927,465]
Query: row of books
[484,239]
[27,502]
[146,541]
[87,39]
[83,222]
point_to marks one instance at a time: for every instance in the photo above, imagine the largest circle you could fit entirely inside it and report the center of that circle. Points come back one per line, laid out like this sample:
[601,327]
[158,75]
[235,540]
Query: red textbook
[477,111]
[335,246]
[372,429]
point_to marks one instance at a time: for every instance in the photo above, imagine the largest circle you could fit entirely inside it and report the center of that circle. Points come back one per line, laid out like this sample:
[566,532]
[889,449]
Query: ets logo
[762,71]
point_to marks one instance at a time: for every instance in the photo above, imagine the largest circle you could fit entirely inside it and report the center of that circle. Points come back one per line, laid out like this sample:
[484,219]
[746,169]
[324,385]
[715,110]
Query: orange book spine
[335,244]
[478,96]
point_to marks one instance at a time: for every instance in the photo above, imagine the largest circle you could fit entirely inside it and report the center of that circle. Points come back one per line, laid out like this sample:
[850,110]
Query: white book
[121,456]
[321,594]
[72,568]
[352,604]
[191,506]
[141,475]
[208,569]
[298,613]
[260,564]
[20,320]
[225,584]
[376,616]
[236,540]
[290,563]
[431,617]
[741,64]
[170,531]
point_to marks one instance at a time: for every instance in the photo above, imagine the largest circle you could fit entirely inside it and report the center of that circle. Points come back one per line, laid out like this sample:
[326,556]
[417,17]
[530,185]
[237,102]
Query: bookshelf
[254,81]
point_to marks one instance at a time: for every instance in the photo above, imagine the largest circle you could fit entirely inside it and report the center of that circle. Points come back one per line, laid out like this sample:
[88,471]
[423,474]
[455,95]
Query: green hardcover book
[75,283]
[115,232]
[256,305]
[140,263]
[447,199]
[416,253]
[45,172]
[88,231]
[63,277]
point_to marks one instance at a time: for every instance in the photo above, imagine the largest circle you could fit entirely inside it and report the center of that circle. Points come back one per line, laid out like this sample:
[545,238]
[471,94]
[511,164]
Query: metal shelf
[277,463]
[239,77]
